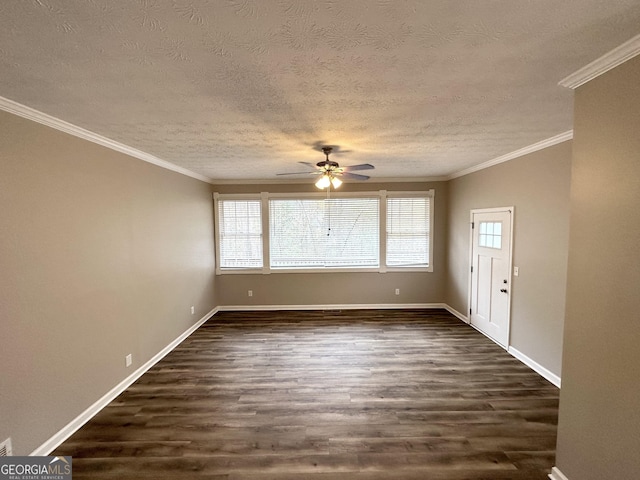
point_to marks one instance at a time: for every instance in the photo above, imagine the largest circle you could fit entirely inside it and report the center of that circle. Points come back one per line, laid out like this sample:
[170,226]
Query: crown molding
[66,127]
[44,119]
[549,142]
[609,60]
[408,179]
[307,180]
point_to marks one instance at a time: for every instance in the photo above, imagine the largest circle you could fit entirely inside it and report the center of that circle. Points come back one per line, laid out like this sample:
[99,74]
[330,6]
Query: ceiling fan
[330,171]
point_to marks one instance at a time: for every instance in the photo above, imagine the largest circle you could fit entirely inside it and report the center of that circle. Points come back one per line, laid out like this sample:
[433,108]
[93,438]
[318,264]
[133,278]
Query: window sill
[266,271]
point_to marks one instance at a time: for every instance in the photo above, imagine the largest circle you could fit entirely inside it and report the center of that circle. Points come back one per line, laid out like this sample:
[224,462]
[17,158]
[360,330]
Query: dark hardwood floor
[356,394]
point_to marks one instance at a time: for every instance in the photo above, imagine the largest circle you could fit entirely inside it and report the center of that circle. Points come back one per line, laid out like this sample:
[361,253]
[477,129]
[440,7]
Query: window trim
[415,194]
[264,197]
[216,216]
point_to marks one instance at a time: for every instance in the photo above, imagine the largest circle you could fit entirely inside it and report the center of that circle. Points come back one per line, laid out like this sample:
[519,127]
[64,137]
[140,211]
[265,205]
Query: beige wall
[538,186]
[101,255]
[342,288]
[599,425]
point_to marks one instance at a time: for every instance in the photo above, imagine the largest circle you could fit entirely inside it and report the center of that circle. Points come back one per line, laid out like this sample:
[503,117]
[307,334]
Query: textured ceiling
[242,89]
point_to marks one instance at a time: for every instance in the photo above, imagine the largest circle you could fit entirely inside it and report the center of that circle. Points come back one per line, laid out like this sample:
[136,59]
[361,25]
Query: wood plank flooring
[356,394]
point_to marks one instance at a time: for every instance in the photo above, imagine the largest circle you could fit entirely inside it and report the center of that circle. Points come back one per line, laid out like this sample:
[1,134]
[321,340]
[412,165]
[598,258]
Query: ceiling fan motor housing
[327,164]
[332,169]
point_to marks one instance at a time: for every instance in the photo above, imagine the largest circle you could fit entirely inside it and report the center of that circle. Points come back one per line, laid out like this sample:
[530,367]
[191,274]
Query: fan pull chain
[329,211]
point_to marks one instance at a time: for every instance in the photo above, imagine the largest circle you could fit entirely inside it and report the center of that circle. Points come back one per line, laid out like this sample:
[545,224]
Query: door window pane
[490,235]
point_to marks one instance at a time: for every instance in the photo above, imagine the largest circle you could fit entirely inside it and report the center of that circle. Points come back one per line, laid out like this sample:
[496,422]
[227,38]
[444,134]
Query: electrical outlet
[250,293]
[128,360]
[397,291]
[193,309]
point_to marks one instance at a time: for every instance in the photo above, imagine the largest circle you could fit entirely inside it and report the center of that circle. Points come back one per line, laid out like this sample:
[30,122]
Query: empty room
[320,239]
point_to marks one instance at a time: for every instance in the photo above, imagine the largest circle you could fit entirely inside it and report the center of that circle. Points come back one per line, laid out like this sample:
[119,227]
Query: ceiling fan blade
[362,166]
[354,176]
[310,165]
[297,173]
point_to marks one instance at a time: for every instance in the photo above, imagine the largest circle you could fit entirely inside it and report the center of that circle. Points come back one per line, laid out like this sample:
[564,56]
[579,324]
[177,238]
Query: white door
[490,273]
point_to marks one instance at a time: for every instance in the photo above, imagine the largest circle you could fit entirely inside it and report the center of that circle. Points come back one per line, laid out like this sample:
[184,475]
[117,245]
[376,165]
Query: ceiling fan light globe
[336,182]
[323,182]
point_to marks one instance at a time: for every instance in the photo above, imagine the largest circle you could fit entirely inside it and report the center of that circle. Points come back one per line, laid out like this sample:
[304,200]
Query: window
[408,227]
[240,234]
[378,231]
[490,235]
[322,233]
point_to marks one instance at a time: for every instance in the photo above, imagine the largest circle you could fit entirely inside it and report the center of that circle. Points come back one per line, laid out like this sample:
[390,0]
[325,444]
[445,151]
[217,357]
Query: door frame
[511,209]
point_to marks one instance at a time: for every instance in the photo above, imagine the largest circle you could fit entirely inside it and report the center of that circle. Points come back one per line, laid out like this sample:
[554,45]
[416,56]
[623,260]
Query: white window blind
[408,238]
[324,233]
[240,233]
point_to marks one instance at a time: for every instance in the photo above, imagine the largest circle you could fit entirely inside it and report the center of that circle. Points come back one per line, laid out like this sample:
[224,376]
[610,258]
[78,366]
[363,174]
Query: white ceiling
[243,89]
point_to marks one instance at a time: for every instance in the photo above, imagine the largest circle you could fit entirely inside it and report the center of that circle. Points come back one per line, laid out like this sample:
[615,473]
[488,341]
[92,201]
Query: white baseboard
[456,313]
[350,306]
[47,447]
[552,377]
[52,443]
[556,474]
[535,366]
